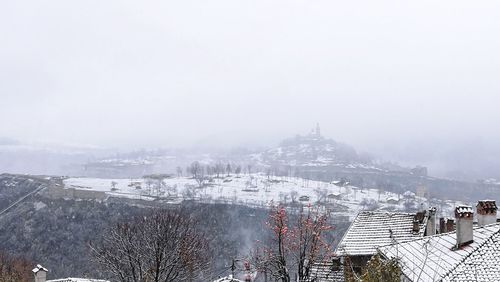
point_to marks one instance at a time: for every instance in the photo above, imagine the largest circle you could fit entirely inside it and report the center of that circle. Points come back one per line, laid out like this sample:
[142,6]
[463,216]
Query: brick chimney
[416,226]
[450,225]
[430,228]
[464,216]
[442,225]
[40,273]
[418,219]
[486,212]
[419,216]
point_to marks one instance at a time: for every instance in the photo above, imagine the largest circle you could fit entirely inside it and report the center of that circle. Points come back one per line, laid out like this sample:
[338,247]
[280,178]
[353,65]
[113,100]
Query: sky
[389,77]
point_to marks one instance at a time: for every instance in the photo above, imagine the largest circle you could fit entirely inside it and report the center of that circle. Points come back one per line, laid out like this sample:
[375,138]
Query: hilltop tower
[318,130]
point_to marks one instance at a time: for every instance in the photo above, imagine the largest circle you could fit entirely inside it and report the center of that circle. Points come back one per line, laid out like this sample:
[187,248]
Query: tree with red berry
[293,249]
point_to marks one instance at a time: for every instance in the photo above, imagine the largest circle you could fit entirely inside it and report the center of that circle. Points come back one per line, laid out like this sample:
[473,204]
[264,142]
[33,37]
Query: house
[422,191]
[467,254]
[334,196]
[304,198]
[393,200]
[228,279]
[40,273]
[373,229]
[419,171]
[332,271]
[77,280]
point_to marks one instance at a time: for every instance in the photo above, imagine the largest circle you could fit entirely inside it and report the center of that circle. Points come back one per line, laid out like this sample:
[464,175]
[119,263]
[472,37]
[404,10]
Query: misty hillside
[58,222]
[55,231]
[312,150]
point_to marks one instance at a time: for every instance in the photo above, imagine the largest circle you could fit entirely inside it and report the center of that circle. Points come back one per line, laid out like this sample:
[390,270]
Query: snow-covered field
[257,190]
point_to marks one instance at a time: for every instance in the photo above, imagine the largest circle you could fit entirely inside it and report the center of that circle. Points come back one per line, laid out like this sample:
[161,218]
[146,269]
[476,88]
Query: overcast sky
[375,74]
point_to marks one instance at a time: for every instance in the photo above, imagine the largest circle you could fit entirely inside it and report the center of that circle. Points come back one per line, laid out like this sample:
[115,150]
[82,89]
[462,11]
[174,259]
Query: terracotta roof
[371,230]
[434,258]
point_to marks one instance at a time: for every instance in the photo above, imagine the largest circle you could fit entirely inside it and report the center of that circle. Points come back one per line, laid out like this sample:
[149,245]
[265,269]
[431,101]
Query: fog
[410,82]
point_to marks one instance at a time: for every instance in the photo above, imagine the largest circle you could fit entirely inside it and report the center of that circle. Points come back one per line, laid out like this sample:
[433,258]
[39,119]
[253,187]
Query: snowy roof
[38,268]
[327,271]
[228,279]
[435,258]
[371,230]
[77,280]
[464,210]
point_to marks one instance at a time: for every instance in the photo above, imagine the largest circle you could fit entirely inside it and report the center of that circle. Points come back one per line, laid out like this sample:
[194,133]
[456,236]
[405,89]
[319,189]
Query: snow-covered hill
[311,150]
[257,190]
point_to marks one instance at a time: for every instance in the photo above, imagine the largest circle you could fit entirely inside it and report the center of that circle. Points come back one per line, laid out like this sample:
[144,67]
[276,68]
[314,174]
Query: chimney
[40,273]
[416,226]
[486,212]
[419,216]
[464,216]
[442,225]
[450,225]
[430,229]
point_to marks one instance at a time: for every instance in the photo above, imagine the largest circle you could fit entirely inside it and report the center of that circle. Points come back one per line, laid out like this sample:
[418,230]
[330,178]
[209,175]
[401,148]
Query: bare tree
[269,172]
[195,168]
[293,195]
[15,269]
[163,246]
[149,185]
[219,169]
[229,169]
[200,178]
[237,170]
[209,171]
[321,194]
[179,171]
[189,191]
[293,249]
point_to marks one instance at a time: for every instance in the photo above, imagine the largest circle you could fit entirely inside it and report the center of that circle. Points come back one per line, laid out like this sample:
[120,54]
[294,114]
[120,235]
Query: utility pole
[233,268]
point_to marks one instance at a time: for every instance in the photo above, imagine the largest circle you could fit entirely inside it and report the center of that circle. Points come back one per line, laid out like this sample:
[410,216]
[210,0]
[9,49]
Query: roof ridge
[387,212]
[474,250]
[442,234]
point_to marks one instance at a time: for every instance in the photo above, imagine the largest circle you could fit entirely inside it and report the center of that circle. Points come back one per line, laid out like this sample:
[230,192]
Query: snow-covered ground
[257,190]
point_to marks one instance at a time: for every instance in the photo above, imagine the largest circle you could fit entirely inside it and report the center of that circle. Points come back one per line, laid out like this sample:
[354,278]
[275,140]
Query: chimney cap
[464,211]
[38,268]
[487,205]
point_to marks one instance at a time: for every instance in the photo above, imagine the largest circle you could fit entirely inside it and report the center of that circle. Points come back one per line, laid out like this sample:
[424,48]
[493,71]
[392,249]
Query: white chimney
[464,216]
[40,273]
[486,212]
[430,229]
